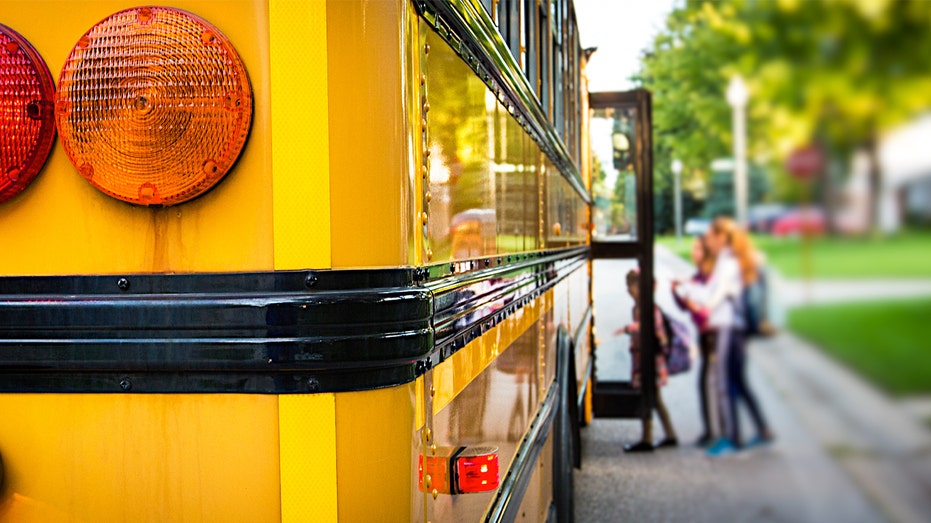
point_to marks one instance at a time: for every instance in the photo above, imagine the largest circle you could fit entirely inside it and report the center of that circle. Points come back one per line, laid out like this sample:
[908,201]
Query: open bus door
[622,239]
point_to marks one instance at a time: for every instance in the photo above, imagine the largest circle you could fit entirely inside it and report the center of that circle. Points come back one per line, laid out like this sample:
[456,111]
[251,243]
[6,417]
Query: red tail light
[153,106]
[460,470]
[477,470]
[27,121]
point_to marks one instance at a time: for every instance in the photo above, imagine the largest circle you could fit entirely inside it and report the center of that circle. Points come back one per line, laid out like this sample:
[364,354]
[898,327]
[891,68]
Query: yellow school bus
[307,260]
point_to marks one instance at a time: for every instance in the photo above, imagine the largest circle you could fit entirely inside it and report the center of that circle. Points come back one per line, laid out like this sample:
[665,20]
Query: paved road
[844,452]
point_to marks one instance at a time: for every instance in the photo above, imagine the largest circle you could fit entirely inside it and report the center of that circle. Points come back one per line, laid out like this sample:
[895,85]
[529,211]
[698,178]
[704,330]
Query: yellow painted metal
[145,457]
[419,393]
[307,425]
[375,458]
[454,374]
[371,196]
[299,125]
[62,225]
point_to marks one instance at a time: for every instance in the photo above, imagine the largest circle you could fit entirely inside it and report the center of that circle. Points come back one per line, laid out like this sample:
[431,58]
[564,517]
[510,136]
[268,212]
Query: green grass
[903,255]
[886,342]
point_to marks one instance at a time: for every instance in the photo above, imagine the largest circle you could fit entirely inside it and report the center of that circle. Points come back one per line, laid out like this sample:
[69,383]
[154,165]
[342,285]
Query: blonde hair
[706,265]
[739,242]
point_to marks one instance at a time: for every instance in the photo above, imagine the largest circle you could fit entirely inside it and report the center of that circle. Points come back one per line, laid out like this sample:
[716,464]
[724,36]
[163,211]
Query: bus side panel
[374,452]
[487,395]
[370,150]
[158,457]
[62,225]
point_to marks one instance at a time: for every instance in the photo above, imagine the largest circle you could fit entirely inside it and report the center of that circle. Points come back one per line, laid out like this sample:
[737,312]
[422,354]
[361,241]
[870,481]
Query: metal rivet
[313,384]
[310,280]
[426,48]
[126,385]
[423,122]
[423,218]
[423,172]
[429,255]
[433,449]
[428,481]
[428,197]
[423,79]
[427,434]
[435,493]
[426,153]
[426,107]
[432,391]
[123,284]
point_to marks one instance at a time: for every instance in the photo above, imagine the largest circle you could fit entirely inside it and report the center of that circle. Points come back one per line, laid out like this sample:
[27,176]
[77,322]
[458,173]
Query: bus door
[622,241]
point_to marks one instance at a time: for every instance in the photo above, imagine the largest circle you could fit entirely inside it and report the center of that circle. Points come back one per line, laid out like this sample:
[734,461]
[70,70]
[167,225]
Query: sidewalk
[844,451]
[884,448]
[800,292]
[794,480]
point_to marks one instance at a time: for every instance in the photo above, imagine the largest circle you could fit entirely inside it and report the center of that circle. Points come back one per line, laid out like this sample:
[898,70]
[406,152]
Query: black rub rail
[270,332]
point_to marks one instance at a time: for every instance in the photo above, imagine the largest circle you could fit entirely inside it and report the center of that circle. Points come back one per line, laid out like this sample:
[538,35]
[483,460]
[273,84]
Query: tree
[838,73]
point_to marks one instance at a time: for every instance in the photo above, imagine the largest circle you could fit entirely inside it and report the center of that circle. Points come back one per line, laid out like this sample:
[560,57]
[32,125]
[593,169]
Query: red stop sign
[805,162]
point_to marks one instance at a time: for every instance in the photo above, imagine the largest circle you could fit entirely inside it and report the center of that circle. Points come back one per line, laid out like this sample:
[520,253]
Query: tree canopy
[833,72]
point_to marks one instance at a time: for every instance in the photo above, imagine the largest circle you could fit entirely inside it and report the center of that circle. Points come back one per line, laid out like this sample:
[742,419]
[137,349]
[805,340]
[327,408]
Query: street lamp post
[737,96]
[677,195]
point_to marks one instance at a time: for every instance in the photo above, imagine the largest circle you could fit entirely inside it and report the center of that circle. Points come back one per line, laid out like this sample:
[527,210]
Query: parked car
[797,221]
[697,226]
[761,217]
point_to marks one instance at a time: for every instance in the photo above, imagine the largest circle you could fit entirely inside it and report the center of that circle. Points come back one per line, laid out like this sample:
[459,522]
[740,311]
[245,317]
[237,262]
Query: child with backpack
[689,295]
[633,329]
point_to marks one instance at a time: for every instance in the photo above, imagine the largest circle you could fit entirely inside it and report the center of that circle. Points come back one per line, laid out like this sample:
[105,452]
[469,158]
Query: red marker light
[458,470]
[477,469]
[154,106]
[27,118]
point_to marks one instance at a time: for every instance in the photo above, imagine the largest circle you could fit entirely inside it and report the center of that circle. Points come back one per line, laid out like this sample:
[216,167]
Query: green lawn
[904,255]
[888,342]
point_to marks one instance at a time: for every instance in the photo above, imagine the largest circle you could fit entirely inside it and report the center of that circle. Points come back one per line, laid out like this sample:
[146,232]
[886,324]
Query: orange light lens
[153,106]
[27,120]
[436,468]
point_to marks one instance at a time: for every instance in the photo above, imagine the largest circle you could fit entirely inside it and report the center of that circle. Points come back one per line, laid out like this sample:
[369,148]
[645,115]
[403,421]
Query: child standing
[688,296]
[633,329]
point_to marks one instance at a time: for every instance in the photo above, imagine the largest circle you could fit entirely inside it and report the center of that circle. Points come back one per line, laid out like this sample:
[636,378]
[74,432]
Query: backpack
[676,351]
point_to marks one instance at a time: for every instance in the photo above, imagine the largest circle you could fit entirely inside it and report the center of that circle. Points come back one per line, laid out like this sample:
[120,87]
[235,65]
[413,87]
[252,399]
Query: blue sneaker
[722,447]
[760,440]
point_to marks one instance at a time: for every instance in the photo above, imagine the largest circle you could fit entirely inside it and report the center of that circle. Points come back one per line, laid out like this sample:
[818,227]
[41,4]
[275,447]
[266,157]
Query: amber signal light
[462,470]
[153,106]
[27,120]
